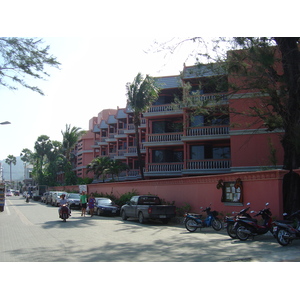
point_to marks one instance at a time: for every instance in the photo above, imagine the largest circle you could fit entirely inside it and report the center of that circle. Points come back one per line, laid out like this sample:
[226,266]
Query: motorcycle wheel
[230,230]
[283,241]
[64,217]
[190,225]
[241,235]
[216,224]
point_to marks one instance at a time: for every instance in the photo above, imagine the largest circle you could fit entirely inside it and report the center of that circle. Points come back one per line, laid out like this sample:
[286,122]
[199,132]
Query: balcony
[163,110]
[194,167]
[207,132]
[164,169]
[207,166]
[171,138]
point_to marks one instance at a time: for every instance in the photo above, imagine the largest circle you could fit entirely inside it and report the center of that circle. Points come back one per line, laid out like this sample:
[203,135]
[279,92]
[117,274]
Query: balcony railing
[161,108]
[165,137]
[208,164]
[165,167]
[208,130]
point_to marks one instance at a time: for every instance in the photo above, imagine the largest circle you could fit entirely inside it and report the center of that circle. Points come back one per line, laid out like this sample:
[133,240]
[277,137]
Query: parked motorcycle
[288,230]
[64,213]
[230,221]
[194,221]
[249,227]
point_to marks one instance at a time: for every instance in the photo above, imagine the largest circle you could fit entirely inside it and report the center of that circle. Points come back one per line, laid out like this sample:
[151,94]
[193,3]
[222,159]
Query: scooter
[288,230]
[248,227]
[64,213]
[194,221]
[230,221]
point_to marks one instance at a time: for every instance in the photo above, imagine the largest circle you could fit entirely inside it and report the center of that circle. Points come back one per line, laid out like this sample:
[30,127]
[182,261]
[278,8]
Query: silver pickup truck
[147,207]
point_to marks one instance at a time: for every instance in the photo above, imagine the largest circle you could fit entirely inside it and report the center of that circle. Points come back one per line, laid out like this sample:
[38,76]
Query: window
[201,152]
[167,156]
[167,126]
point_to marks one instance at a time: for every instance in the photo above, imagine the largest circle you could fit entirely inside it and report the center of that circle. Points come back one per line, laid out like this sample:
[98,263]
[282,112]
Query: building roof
[202,70]
[168,82]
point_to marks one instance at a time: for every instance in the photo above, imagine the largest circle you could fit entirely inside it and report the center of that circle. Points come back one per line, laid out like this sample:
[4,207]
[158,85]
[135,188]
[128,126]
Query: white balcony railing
[165,137]
[208,164]
[208,130]
[165,167]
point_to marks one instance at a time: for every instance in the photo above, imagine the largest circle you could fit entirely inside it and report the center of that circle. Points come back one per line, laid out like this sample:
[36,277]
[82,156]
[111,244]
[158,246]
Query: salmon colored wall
[258,188]
[254,149]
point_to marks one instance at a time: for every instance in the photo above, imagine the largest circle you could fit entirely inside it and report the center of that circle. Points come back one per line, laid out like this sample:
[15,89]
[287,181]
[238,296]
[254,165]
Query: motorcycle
[288,230]
[245,227]
[194,221]
[64,213]
[230,221]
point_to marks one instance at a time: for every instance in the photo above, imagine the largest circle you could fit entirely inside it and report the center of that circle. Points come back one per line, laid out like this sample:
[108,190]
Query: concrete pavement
[32,232]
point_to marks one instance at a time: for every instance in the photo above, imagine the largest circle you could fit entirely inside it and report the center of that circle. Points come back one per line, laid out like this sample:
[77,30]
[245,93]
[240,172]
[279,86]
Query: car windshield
[74,196]
[104,202]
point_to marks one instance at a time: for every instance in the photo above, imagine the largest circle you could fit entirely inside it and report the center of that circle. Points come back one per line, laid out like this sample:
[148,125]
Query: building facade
[180,139]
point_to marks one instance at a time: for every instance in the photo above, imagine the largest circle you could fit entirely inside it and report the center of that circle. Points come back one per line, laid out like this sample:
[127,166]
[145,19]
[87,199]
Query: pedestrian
[83,201]
[91,204]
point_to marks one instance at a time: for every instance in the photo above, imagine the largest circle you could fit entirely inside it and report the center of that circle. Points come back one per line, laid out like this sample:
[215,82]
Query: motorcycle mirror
[248,203]
[252,211]
[284,214]
[267,203]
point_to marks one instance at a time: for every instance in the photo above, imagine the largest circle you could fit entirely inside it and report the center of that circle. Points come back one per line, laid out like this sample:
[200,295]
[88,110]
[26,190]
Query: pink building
[175,142]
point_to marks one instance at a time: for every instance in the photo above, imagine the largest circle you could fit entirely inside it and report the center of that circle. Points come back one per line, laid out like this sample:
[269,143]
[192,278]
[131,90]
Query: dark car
[74,200]
[105,206]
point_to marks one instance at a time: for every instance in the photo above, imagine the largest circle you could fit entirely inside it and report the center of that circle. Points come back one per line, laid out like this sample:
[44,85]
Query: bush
[126,197]
[180,211]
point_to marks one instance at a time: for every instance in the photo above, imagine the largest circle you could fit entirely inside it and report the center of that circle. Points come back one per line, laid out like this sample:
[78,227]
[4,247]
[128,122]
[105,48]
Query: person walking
[83,202]
[91,204]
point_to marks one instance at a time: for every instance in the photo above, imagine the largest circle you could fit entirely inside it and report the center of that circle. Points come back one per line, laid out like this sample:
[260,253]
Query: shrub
[126,197]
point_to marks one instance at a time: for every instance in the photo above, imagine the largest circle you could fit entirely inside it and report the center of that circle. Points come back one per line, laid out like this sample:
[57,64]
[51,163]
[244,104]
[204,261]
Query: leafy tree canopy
[24,57]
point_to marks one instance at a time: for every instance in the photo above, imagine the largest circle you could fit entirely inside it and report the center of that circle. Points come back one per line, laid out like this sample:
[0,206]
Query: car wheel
[98,212]
[141,218]
[123,215]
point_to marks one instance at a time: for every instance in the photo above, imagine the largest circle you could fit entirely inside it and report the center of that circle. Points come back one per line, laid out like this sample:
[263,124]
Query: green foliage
[22,57]
[180,211]
[123,199]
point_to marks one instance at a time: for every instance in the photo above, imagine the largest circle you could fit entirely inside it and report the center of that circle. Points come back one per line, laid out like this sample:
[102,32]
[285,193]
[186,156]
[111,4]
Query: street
[32,232]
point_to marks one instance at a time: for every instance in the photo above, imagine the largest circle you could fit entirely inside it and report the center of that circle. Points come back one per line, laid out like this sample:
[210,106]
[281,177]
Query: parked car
[17,193]
[147,207]
[44,197]
[105,206]
[49,197]
[8,193]
[74,200]
[56,197]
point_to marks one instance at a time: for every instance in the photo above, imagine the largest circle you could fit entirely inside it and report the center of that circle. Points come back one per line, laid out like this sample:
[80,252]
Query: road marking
[20,214]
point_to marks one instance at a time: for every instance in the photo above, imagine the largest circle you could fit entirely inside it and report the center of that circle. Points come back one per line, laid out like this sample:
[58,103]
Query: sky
[92,77]
[101,46]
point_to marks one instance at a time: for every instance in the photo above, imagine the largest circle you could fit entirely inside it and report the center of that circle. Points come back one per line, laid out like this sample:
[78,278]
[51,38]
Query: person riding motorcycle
[63,201]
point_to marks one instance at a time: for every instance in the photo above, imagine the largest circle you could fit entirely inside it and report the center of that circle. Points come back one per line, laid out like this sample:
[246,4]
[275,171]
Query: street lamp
[5,123]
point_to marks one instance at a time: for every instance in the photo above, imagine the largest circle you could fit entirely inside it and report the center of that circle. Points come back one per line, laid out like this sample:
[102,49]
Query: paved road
[32,232]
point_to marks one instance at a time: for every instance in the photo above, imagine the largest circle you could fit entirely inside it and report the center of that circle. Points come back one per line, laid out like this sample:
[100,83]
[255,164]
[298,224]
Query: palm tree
[140,95]
[11,160]
[116,167]
[99,166]
[70,138]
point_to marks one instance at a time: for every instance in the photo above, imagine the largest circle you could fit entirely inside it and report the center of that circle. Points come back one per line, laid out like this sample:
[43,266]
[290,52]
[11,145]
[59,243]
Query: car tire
[98,212]
[123,215]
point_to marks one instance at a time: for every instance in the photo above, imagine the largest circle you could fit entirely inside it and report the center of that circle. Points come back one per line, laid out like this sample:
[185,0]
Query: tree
[269,67]
[70,138]
[140,95]
[99,166]
[11,160]
[116,167]
[43,146]
[24,57]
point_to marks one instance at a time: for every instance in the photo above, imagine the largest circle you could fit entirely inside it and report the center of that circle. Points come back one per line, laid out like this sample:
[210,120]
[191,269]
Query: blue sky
[93,76]
[101,47]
